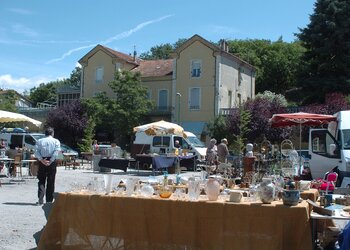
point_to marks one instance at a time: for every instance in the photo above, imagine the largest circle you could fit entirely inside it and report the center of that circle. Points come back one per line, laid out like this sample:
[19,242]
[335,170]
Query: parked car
[67,149]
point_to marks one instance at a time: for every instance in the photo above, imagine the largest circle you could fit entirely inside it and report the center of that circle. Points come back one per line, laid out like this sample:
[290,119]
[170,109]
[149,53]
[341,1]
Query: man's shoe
[39,203]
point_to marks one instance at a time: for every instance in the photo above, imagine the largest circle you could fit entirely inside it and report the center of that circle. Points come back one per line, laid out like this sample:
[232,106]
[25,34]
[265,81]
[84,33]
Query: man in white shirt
[46,151]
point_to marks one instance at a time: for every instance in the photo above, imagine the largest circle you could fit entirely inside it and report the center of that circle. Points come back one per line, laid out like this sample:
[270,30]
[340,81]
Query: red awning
[300,118]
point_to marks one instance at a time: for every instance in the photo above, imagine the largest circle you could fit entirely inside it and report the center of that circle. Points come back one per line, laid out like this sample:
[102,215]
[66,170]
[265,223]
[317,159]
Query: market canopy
[6,116]
[300,118]
[159,128]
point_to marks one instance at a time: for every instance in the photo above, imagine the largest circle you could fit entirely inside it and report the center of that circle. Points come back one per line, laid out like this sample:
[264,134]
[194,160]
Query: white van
[330,148]
[197,145]
[163,144]
[20,140]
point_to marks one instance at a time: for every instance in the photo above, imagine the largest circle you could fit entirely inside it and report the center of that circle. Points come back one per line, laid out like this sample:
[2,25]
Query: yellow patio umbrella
[6,116]
[160,127]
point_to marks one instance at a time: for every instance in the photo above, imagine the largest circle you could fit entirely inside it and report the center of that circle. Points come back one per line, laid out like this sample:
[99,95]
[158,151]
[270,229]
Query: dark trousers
[46,177]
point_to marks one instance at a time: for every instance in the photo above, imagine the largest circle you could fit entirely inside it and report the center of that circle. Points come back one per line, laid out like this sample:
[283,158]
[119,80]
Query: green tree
[162,51]
[117,117]
[132,102]
[217,128]
[240,138]
[75,77]
[8,101]
[327,41]
[277,62]
[89,132]
[45,92]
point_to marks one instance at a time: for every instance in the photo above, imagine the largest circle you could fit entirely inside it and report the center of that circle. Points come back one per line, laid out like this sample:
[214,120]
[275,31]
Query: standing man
[46,152]
[223,151]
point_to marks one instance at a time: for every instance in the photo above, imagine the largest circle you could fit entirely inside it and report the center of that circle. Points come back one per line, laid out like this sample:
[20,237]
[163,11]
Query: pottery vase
[266,191]
[291,197]
[213,189]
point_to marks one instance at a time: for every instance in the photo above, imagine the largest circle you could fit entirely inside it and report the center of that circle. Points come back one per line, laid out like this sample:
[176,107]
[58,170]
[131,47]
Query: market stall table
[121,164]
[69,160]
[83,221]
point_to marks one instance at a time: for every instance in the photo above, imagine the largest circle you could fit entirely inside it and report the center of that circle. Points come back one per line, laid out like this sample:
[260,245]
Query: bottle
[165,191]
[165,179]
[177,179]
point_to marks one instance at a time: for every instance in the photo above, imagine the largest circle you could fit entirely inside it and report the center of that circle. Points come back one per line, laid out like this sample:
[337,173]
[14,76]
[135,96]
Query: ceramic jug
[213,189]
[266,191]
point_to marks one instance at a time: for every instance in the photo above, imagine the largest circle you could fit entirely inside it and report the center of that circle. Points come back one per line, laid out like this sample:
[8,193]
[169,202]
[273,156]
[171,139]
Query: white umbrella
[160,127]
[6,116]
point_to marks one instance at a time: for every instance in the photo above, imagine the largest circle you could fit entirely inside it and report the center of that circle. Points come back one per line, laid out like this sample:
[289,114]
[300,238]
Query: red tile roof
[149,68]
[128,58]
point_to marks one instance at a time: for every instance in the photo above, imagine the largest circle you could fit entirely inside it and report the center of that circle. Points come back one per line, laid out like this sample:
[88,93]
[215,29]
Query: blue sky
[42,40]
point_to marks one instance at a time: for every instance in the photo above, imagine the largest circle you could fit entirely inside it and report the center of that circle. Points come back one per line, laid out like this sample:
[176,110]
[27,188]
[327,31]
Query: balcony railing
[227,111]
[161,110]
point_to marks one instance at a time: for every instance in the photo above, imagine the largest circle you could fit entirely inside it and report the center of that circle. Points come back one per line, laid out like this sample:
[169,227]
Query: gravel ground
[21,220]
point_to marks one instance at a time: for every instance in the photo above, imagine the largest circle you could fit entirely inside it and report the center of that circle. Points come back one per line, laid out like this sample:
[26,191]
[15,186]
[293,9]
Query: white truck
[330,148]
[164,144]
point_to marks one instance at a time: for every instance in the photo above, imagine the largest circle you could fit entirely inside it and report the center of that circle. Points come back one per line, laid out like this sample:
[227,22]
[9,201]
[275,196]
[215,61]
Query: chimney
[224,45]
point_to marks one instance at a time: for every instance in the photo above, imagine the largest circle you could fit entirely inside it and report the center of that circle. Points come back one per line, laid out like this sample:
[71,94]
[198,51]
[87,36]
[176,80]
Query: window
[163,99]
[118,67]
[161,141]
[196,68]
[149,94]
[29,140]
[182,141]
[195,98]
[99,75]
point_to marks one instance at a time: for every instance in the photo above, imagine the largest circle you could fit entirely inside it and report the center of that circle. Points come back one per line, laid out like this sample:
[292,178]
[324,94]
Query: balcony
[227,111]
[161,110]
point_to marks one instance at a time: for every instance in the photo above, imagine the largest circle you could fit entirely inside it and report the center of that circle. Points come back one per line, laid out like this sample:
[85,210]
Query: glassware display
[147,190]
[165,191]
[108,180]
[213,189]
[130,186]
[193,189]
[267,191]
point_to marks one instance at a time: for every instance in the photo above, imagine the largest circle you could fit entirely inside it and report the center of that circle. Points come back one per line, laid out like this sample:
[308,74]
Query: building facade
[198,84]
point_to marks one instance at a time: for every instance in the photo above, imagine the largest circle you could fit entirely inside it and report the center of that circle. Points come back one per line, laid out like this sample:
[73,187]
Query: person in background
[95,146]
[11,153]
[223,150]
[114,150]
[211,152]
[2,144]
[46,151]
[177,144]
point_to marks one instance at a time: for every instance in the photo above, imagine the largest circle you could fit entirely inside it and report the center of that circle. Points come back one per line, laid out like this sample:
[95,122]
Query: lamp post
[178,112]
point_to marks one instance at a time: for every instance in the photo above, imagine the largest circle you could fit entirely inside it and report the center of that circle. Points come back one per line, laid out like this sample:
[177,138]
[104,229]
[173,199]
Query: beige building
[199,83]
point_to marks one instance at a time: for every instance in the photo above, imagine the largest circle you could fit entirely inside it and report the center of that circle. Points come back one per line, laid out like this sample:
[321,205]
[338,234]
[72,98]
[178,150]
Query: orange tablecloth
[108,222]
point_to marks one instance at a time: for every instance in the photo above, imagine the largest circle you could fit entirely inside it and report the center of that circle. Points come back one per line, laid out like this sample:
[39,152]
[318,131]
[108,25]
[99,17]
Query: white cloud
[21,84]
[119,36]
[20,11]
[223,30]
[23,30]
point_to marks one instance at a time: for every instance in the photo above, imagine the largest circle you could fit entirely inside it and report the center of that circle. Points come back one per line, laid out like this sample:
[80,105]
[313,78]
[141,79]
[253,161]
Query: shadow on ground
[20,203]
[47,209]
